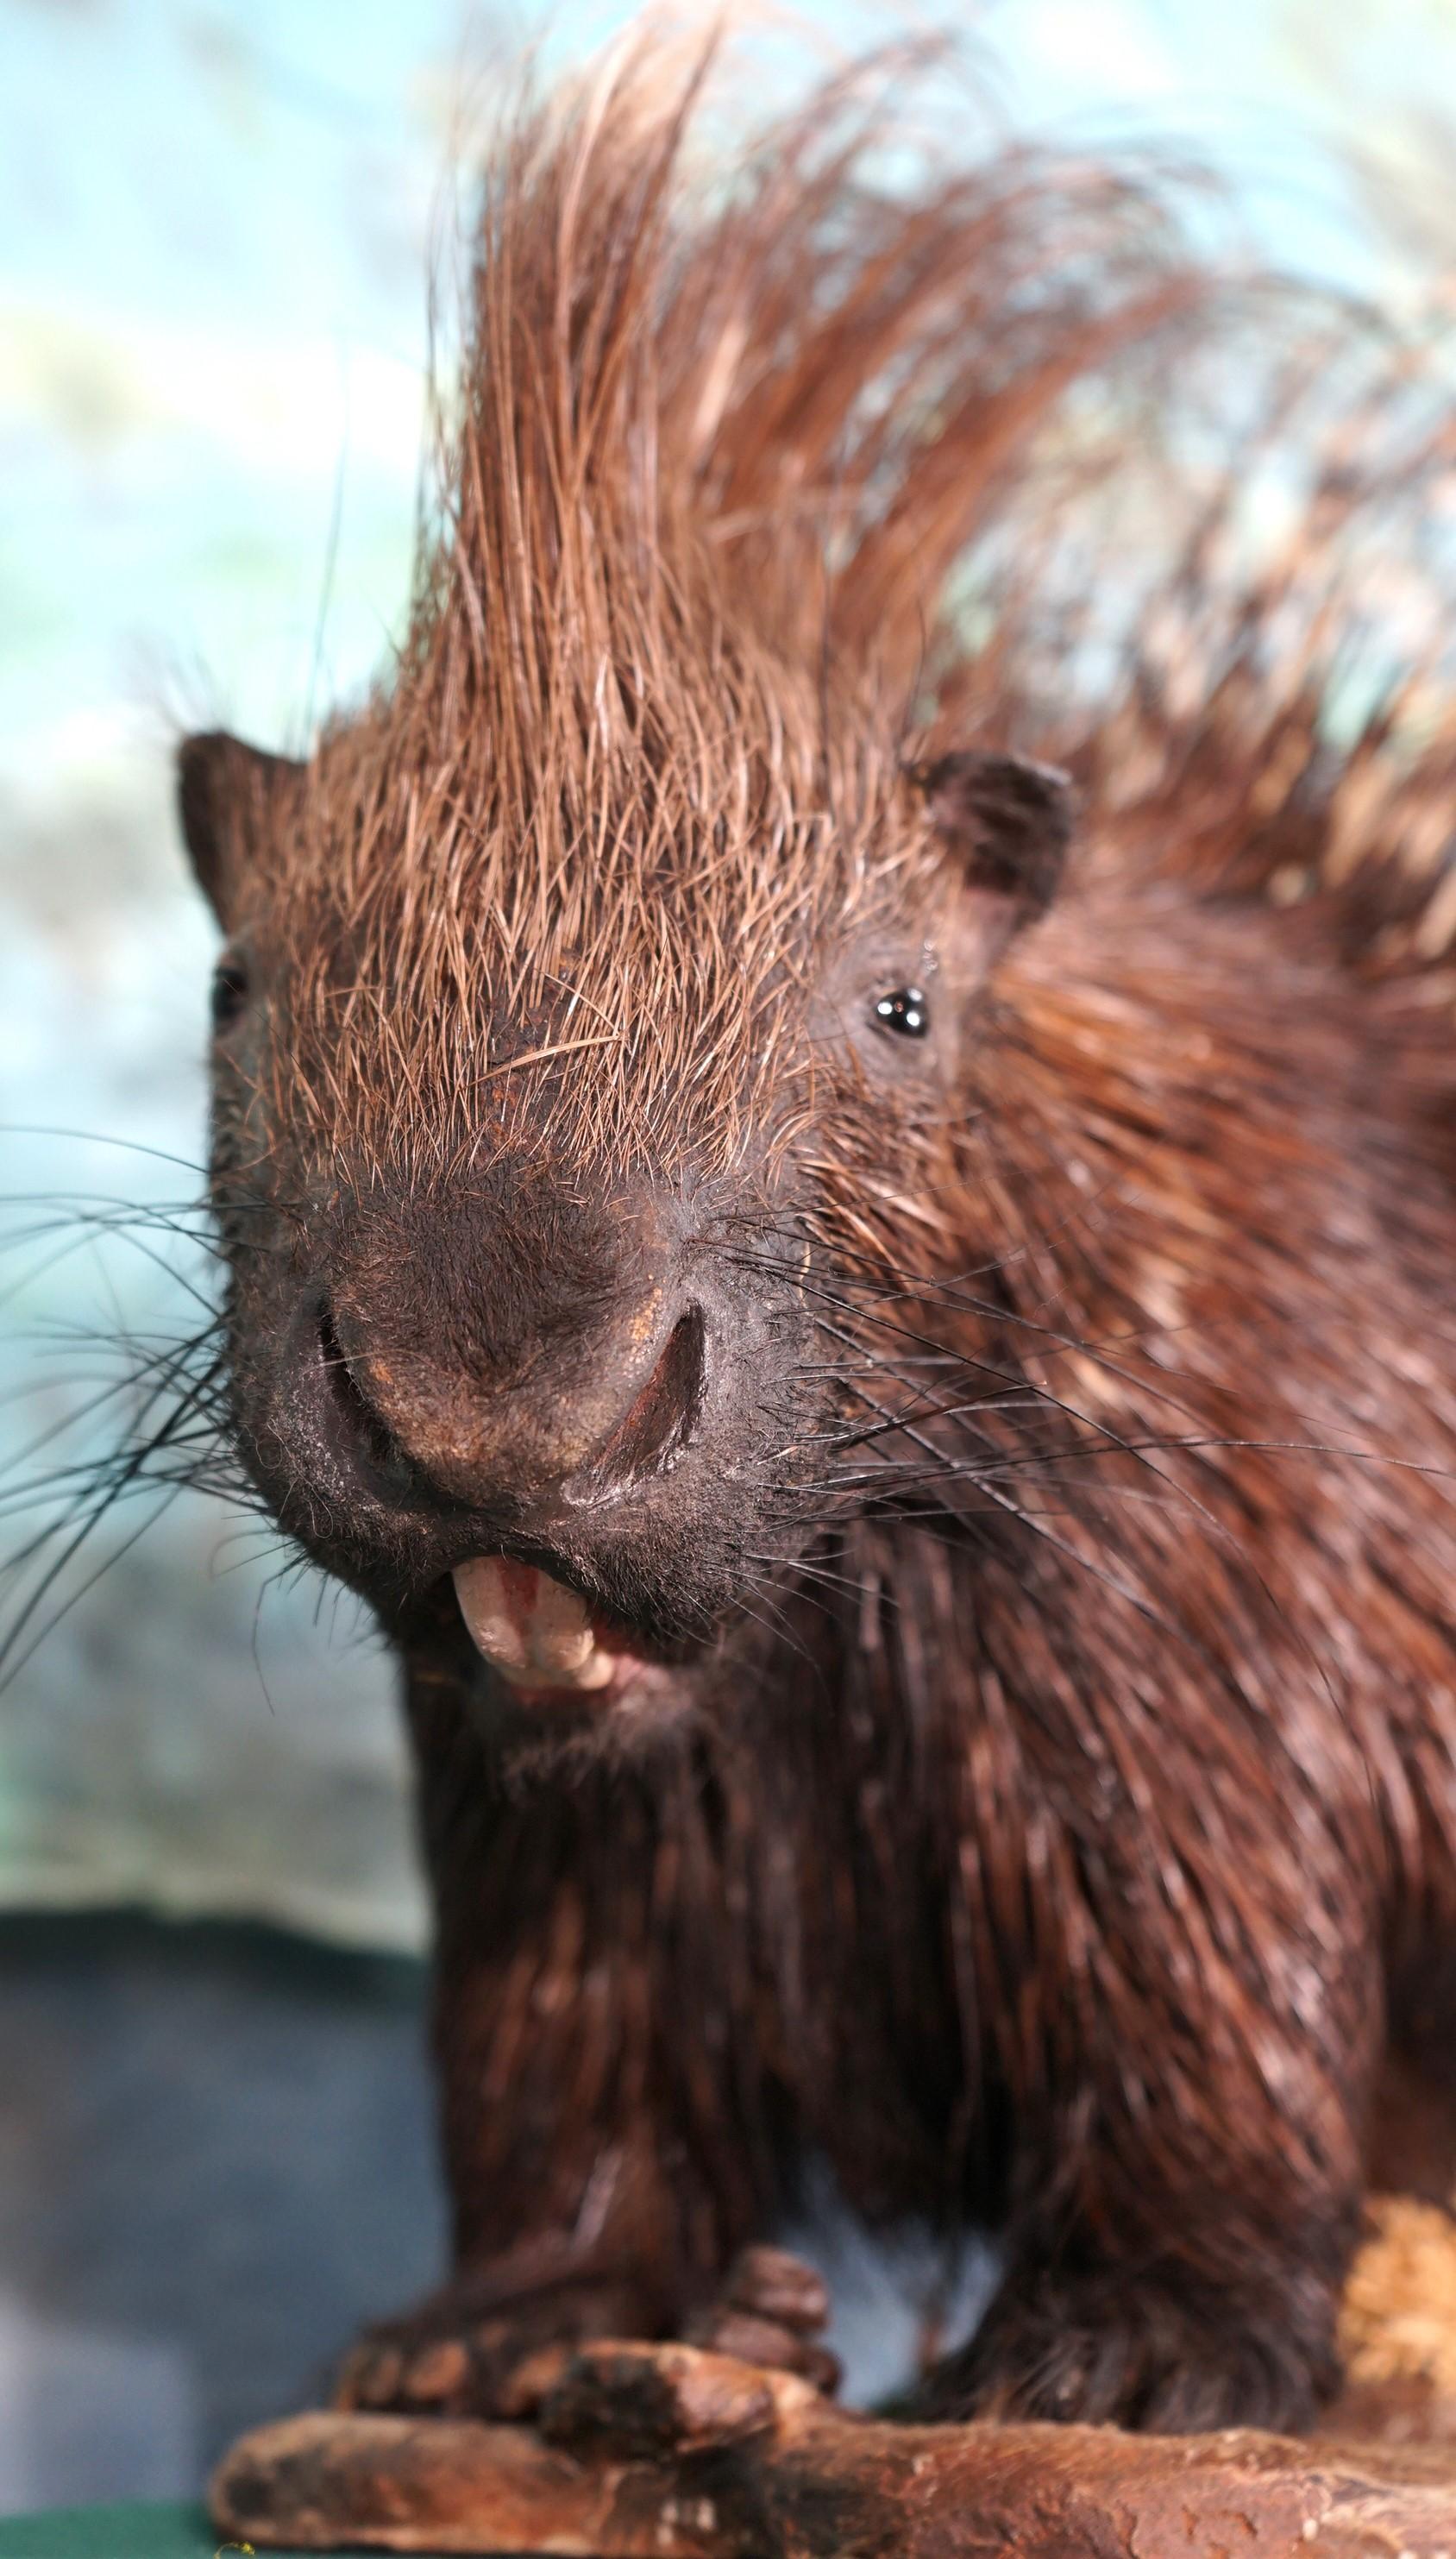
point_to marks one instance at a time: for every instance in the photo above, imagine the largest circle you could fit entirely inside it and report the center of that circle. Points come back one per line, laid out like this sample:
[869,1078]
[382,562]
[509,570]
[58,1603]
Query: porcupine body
[850,1239]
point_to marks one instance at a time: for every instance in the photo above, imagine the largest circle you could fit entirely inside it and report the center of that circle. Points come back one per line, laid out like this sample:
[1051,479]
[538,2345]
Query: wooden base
[665,2453]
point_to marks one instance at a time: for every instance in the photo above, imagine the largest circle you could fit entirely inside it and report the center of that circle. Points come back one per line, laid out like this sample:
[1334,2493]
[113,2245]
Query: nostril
[661,1422]
[363,1424]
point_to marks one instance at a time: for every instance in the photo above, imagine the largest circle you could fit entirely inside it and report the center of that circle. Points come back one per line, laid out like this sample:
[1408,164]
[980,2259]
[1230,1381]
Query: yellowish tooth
[560,1637]
[593,1672]
[546,1643]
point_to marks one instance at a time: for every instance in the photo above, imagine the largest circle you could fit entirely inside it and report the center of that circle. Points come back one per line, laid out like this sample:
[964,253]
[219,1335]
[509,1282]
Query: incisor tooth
[531,1630]
[560,1635]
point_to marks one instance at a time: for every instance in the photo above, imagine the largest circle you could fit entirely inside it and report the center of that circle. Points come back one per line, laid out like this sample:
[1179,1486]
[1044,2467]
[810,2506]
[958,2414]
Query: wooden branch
[644,2452]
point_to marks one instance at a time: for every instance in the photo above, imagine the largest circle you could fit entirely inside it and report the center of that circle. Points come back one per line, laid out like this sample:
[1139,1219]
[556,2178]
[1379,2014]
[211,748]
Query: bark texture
[668,2453]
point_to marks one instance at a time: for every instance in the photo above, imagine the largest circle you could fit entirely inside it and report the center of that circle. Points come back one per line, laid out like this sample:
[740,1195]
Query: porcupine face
[540,1194]
[597,1003]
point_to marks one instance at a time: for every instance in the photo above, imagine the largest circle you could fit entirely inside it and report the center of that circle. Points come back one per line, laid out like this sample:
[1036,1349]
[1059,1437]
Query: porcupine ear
[227,796]
[1006,822]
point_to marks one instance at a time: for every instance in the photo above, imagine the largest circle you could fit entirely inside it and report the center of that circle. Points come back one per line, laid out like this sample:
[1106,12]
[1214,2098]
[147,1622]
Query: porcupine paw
[469,2351]
[770,2311]
[1162,2357]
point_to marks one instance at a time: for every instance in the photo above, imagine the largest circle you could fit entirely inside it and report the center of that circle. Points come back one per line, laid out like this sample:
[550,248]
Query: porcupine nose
[528,1475]
[513,1391]
[458,1445]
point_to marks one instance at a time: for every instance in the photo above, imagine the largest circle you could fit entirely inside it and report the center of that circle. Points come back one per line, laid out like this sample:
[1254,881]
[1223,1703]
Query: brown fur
[1055,1813]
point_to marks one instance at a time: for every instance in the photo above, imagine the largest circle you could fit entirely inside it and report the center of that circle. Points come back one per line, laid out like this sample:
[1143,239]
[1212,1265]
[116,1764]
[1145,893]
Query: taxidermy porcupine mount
[834,1146]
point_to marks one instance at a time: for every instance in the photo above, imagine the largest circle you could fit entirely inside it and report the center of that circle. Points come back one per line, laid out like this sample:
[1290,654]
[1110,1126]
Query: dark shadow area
[216,2161]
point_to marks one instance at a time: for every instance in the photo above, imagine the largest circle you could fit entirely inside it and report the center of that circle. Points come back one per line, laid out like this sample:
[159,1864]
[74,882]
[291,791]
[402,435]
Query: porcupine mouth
[544,1640]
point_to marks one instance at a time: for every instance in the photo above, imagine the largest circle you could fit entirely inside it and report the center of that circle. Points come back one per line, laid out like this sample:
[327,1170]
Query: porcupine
[845,1227]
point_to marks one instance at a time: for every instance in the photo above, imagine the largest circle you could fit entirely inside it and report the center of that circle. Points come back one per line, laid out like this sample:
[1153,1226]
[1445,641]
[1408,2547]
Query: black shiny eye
[229,991]
[905,1011]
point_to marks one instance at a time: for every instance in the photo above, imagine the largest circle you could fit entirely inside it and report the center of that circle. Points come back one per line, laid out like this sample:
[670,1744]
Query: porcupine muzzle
[551,1412]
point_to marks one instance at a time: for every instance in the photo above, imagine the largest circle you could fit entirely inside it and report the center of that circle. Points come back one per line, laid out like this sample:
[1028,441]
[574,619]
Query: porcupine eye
[229,991]
[904,1011]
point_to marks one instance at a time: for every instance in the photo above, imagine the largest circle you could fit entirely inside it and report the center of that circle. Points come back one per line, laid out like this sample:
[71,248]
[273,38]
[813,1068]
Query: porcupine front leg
[1189,2211]
[600,2177]
[1158,2344]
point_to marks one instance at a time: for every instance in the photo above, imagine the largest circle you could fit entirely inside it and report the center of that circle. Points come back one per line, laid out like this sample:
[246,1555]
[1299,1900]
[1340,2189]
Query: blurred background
[217,228]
